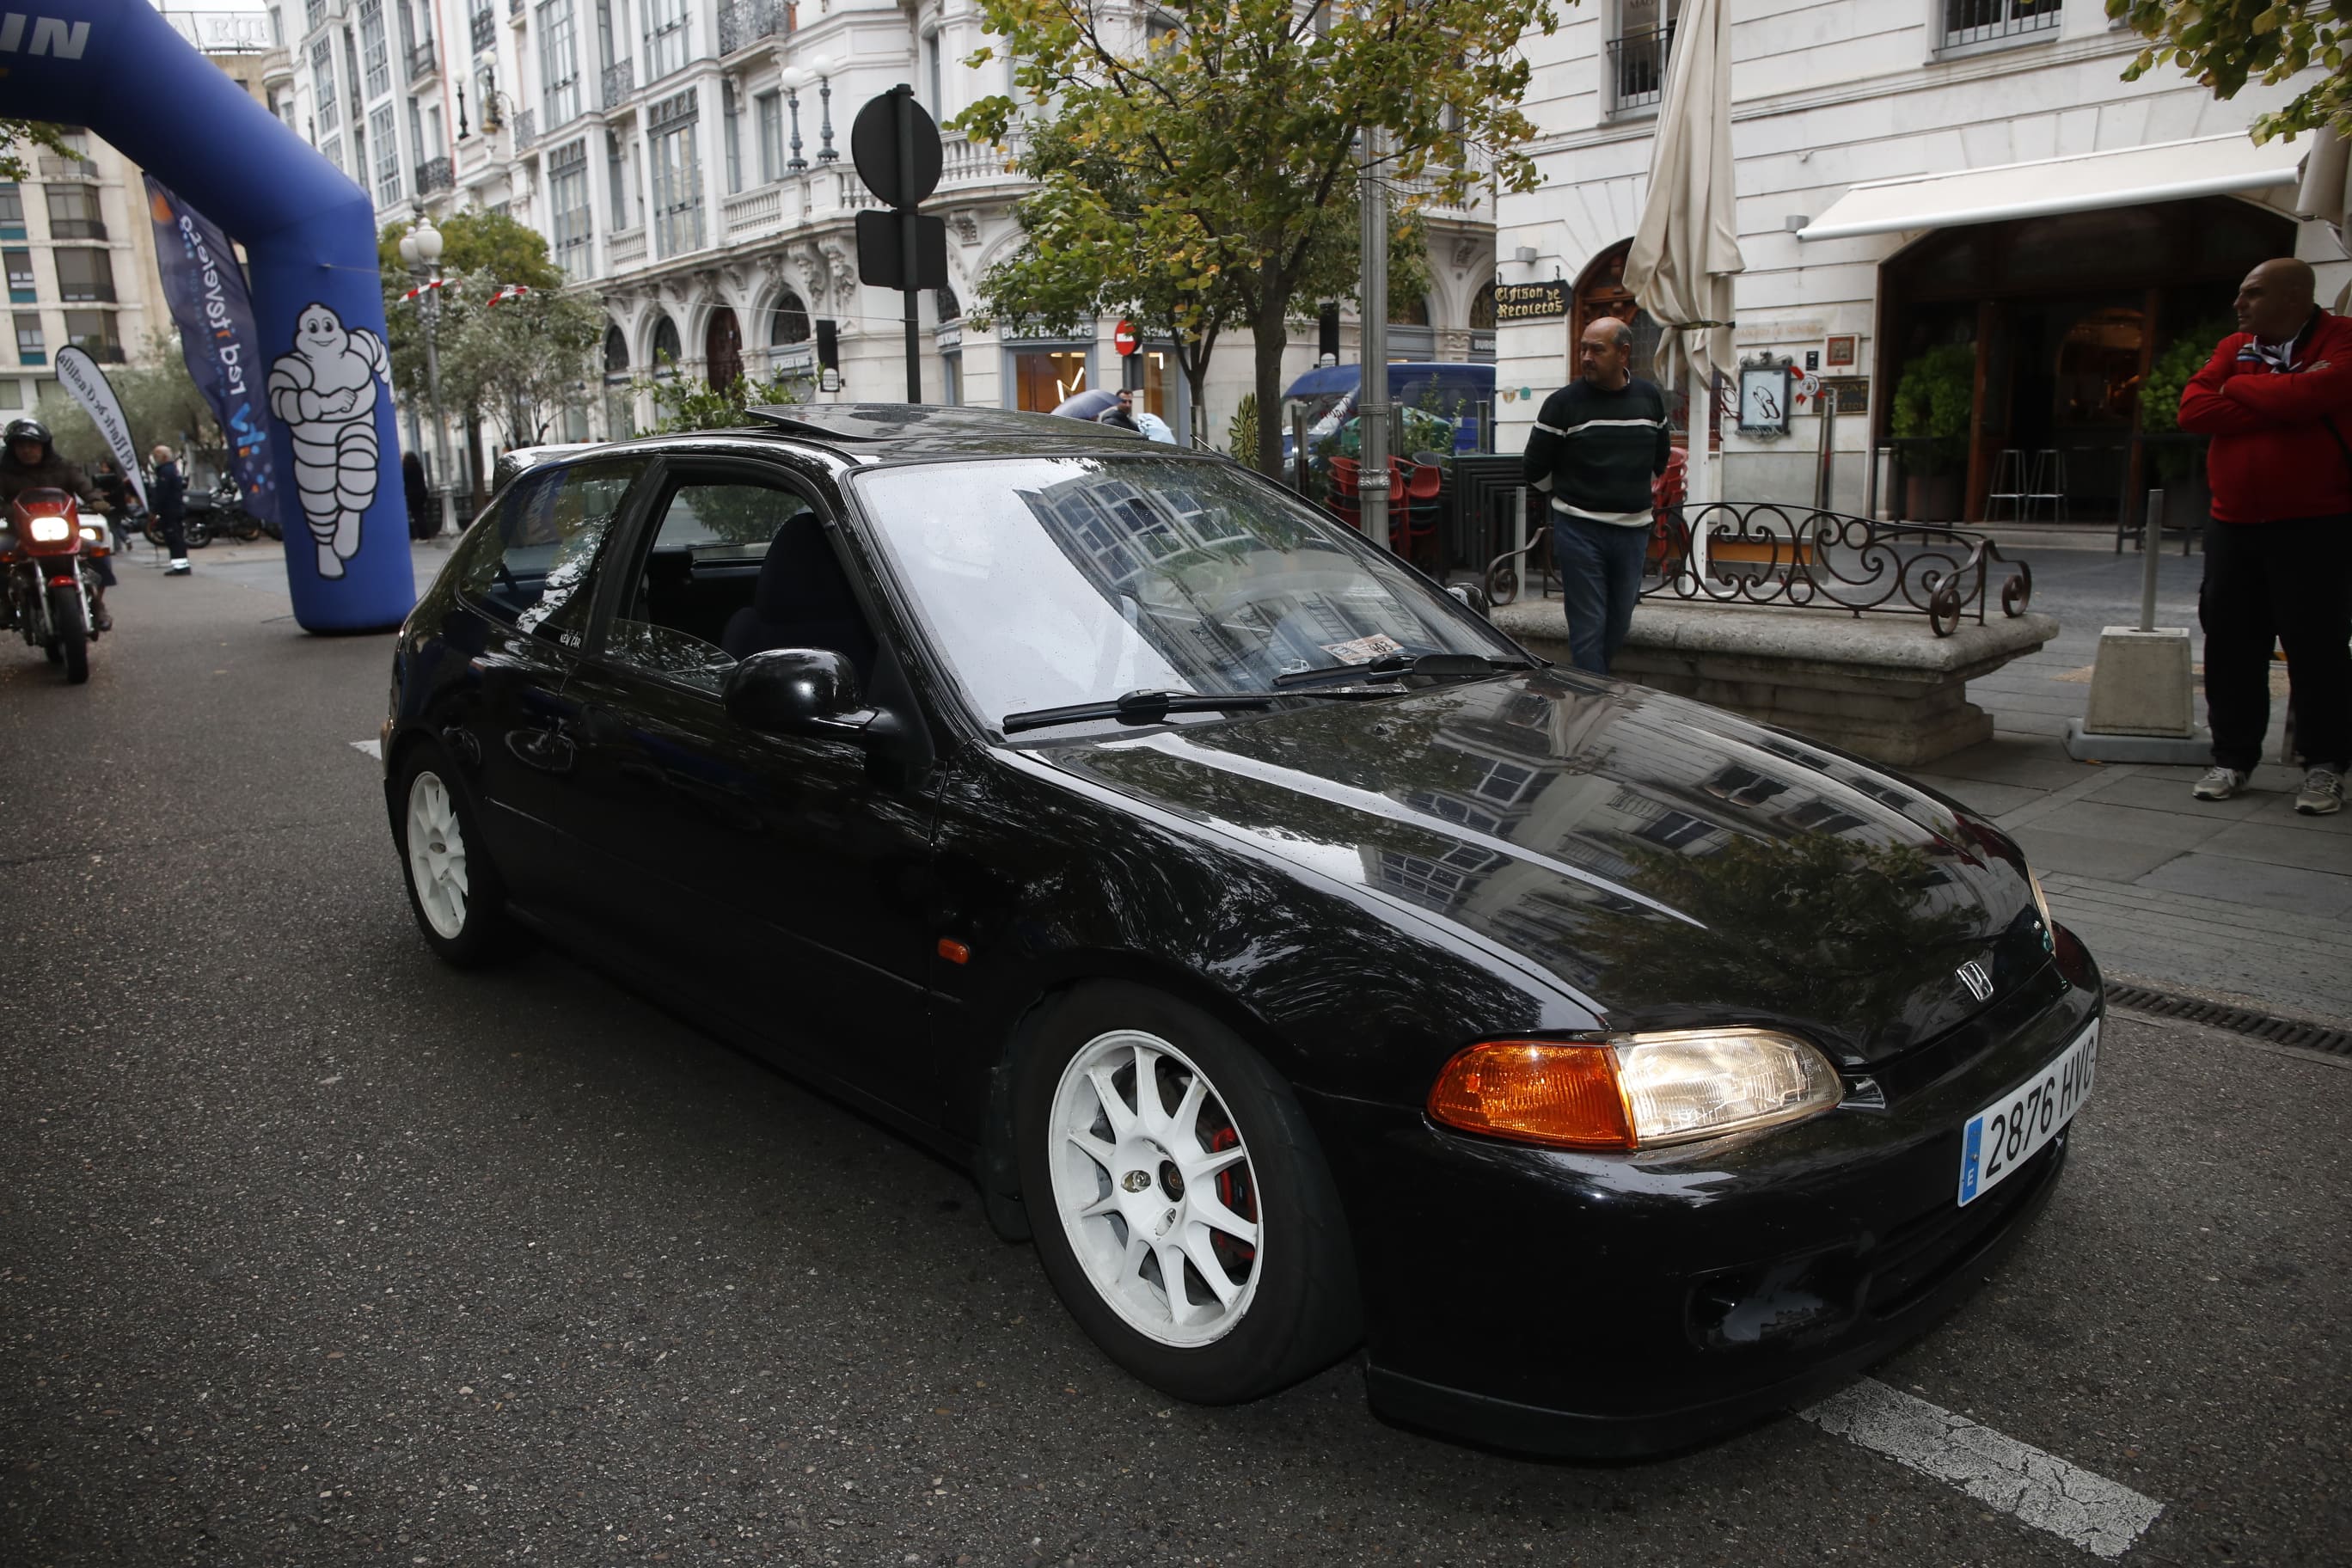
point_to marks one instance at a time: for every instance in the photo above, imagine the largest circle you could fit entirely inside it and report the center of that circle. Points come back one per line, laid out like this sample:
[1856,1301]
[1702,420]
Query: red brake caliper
[1233,1192]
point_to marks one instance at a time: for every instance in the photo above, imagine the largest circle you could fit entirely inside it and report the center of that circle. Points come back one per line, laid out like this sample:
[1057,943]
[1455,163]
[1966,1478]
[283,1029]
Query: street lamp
[823,66]
[420,247]
[796,78]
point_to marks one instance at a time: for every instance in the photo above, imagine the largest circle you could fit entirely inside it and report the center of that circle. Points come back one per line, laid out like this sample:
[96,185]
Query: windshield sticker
[1363,650]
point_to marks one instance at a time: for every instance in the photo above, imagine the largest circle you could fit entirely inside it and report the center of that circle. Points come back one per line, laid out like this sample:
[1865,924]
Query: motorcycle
[47,549]
[195,527]
[229,520]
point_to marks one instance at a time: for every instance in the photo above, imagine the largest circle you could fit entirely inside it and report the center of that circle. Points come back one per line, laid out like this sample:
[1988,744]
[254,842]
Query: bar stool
[2008,485]
[2048,484]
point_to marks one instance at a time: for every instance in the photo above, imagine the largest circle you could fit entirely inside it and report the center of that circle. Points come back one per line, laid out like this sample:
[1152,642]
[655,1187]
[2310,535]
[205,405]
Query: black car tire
[1299,1309]
[480,931]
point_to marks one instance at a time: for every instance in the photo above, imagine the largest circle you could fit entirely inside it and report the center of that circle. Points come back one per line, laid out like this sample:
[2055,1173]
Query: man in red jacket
[2276,398]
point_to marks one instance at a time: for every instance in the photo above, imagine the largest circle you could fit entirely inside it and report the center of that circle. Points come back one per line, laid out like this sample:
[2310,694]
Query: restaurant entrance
[2061,318]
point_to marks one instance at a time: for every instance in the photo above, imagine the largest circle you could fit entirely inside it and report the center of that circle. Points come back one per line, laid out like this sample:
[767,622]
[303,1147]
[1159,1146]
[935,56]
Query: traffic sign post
[896,147]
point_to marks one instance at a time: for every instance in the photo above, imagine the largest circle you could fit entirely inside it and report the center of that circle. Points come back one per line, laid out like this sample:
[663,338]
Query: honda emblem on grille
[1973,976]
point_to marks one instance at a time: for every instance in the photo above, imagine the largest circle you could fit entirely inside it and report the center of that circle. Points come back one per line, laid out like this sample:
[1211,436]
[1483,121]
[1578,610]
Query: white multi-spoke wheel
[1152,1185]
[437,855]
[452,886]
[1194,1231]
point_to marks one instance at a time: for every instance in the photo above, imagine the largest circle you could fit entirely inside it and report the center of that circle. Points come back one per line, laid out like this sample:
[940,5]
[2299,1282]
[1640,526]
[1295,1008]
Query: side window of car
[531,557]
[703,579]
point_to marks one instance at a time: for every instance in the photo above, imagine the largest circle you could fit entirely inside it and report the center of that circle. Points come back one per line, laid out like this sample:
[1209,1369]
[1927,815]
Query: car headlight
[1634,1092]
[49,530]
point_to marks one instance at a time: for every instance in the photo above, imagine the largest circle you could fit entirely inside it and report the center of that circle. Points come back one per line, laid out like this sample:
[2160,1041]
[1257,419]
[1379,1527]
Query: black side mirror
[1473,596]
[797,691]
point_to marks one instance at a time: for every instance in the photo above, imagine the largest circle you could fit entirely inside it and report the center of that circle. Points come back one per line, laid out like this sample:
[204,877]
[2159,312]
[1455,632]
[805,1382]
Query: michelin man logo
[325,392]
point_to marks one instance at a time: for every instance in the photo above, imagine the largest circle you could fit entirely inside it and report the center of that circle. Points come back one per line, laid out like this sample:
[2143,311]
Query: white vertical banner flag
[80,375]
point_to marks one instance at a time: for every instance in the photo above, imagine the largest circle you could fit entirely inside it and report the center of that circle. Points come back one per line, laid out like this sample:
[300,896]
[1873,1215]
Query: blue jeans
[1601,579]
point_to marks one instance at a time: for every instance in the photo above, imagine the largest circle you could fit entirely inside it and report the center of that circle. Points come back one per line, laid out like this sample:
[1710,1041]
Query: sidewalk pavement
[2238,900]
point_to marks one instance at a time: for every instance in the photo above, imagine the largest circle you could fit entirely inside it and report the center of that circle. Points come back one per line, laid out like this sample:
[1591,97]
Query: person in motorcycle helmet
[31,463]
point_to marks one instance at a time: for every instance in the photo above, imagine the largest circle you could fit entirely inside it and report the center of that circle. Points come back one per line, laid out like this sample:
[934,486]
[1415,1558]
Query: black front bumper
[1623,1305]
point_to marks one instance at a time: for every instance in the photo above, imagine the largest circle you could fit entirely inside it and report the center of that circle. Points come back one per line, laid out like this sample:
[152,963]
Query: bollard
[2152,531]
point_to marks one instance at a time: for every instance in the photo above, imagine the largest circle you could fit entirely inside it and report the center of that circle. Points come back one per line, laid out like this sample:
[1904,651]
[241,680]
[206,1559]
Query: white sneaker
[2219,784]
[177,569]
[2322,794]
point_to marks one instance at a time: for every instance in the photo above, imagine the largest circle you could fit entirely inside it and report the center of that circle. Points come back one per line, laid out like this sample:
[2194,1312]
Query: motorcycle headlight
[90,534]
[1634,1092]
[49,530]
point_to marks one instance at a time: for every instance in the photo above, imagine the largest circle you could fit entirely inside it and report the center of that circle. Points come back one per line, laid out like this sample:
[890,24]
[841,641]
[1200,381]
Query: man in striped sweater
[1597,444]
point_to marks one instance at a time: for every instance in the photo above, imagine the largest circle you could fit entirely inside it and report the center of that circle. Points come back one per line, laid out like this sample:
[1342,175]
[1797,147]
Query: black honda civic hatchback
[1299,961]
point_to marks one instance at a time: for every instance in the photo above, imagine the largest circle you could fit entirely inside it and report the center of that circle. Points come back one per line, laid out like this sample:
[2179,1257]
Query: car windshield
[1052,582]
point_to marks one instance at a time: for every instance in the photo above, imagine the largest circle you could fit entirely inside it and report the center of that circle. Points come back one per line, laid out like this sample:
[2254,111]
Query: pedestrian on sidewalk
[168,496]
[115,492]
[1598,443]
[1120,416]
[2276,398]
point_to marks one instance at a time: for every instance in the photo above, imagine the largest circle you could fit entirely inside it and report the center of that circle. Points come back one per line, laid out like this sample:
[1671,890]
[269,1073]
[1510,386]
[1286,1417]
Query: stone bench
[1884,687]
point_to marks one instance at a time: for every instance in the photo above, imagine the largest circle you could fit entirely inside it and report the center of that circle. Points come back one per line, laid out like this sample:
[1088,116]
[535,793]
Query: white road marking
[2095,1513]
[371,748]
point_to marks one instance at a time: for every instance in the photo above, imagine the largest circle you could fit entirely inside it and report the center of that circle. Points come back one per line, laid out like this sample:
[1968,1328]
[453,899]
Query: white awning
[2168,172]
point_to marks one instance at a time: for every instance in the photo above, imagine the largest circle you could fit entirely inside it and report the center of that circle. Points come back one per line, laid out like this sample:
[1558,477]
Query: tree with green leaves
[1205,177]
[689,403]
[16,136]
[2226,44]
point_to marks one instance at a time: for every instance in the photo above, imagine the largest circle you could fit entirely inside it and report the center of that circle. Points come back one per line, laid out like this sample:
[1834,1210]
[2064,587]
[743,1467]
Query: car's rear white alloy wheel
[436,854]
[1154,1189]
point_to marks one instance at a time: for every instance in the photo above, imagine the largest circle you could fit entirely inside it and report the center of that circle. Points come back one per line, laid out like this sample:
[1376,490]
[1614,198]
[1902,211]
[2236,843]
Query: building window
[92,332]
[21,288]
[1637,55]
[81,275]
[387,155]
[375,57]
[666,37]
[12,394]
[73,213]
[313,12]
[12,210]
[788,322]
[559,63]
[676,177]
[331,148]
[771,106]
[322,78]
[666,352]
[567,194]
[731,107]
[616,167]
[1676,831]
[1988,21]
[31,347]
[931,81]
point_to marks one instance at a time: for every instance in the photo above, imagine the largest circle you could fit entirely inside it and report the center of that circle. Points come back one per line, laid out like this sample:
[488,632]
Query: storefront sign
[1851,392]
[1530,301]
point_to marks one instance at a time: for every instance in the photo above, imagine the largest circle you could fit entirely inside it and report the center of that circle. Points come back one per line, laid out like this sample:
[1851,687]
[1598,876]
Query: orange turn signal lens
[1535,1091]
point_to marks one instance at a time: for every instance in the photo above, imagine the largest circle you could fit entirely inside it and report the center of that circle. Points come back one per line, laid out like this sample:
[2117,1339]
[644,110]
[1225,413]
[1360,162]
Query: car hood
[1670,863]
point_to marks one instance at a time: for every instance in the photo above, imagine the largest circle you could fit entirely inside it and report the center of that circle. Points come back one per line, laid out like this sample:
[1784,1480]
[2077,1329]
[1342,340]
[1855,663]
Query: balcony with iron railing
[434,175]
[620,82]
[744,22]
[1637,69]
[1967,22]
[422,62]
[483,28]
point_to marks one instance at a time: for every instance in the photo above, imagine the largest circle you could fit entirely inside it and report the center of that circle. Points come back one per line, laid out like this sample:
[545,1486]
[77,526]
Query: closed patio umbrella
[2324,192]
[1685,249]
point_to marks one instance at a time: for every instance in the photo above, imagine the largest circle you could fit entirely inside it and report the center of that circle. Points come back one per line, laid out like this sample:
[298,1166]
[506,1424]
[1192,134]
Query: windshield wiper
[1152,707]
[1397,666]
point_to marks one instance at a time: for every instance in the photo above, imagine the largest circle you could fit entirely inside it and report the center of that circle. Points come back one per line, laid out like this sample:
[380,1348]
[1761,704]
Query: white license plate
[2005,1134]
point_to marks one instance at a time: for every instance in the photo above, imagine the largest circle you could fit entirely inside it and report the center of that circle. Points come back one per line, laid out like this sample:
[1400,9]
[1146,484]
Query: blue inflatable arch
[117,67]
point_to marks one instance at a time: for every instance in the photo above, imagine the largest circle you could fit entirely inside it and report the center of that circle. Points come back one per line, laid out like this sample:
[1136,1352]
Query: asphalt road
[313,1251]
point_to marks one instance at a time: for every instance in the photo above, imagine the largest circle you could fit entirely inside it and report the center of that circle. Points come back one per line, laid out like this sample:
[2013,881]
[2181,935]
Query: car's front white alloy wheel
[1153,1186]
[436,854]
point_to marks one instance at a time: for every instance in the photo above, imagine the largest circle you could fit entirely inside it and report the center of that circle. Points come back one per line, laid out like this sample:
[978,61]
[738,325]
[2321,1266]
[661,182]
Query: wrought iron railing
[1637,66]
[742,22]
[1760,553]
[434,175]
[620,80]
[1982,21]
[421,60]
[484,29]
